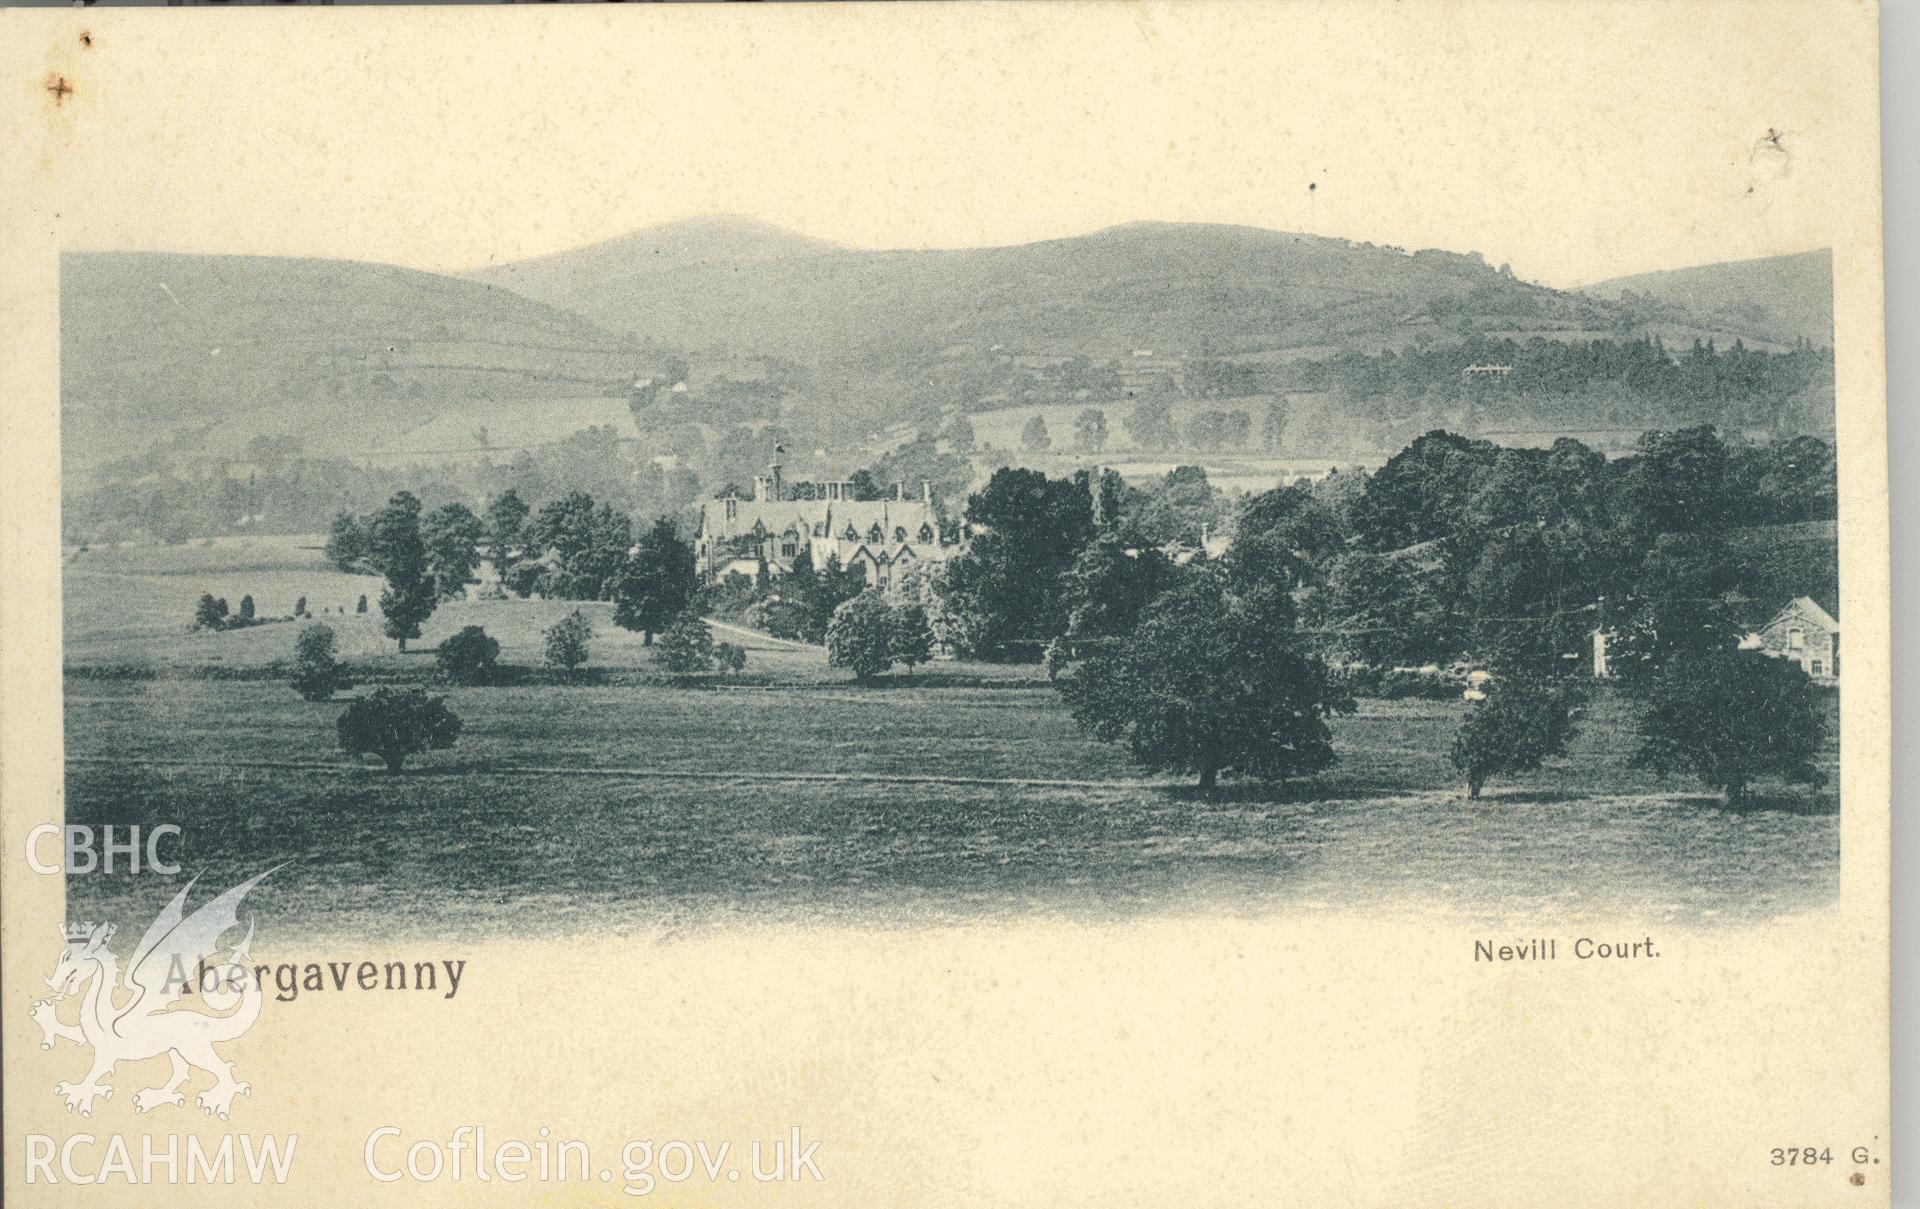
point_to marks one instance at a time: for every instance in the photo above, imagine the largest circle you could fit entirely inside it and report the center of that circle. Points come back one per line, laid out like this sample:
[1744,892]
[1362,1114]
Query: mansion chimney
[773,471]
[926,492]
[899,491]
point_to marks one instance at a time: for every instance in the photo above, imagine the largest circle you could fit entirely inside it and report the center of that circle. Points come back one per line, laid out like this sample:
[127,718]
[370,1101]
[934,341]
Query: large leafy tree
[1028,530]
[1678,481]
[1381,611]
[1289,526]
[317,673]
[1110,585]
[397,551]
[1181,507]
[1090,430]
[1683,602]
[686,645]
[567,641]
[506,515]
[1520,724]
[1423,492]
[585,545]
[861,638]
[657,582]
[347,541]
[452,535]
[1731,717]
[1212,681]
[396,723]
[911,639]
[1034,437]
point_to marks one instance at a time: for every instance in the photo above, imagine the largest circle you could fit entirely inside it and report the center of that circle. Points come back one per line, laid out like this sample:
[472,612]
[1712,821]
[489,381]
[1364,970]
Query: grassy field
[964,793]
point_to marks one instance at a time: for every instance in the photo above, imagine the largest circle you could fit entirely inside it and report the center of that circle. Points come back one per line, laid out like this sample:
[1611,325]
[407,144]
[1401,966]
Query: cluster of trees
[870,633]
[1630,378]
[687,648]
[571,549]
[1152,425]
[1455,550]
[212,612]
[1459,547]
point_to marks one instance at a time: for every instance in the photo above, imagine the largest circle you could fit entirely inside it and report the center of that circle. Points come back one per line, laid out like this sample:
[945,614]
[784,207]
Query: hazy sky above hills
[1574,142]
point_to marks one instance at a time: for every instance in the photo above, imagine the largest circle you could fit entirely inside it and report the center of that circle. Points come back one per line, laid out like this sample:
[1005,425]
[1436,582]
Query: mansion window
[875,534]
[900,533]
[1796,639]
[926,533]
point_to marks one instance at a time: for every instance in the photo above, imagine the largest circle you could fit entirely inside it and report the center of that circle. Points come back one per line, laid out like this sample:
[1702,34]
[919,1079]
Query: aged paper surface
[838,927]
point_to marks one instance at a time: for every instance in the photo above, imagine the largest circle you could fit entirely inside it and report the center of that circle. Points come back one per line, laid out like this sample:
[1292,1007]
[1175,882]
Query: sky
[1573,141]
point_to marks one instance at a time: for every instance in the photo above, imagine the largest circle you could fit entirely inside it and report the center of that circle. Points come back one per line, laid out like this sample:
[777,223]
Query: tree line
[1455,550]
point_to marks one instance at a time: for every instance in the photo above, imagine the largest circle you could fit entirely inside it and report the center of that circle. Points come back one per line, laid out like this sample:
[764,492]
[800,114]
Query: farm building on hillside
[1805,633]
[878,537]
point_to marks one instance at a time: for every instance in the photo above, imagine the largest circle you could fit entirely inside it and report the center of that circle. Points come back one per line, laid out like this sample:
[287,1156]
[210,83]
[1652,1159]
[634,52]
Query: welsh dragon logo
[135,1020]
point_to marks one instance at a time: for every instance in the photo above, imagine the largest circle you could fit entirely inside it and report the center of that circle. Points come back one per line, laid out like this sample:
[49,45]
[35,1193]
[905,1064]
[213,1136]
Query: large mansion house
[879,537]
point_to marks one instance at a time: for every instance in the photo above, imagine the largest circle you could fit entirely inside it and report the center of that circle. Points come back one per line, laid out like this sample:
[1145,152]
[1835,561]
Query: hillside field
[967,791]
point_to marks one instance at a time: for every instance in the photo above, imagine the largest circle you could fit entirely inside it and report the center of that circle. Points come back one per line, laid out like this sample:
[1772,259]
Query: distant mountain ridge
[1782,298]
[216,349]
[755,289]
[199,354]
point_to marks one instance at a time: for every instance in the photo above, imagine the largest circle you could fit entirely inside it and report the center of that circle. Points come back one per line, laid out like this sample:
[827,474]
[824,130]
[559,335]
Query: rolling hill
[207,352]
[199,355]
[1775,298]
[752,288]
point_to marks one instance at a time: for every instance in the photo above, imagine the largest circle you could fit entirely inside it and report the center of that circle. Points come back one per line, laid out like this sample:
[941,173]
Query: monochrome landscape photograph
[718,572]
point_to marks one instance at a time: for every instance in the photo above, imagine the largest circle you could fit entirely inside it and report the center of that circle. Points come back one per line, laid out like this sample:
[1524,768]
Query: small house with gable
[1805,633]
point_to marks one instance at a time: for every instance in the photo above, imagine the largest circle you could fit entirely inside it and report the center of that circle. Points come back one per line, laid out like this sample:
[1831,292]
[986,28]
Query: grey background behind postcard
[1900,156]
[1900,116]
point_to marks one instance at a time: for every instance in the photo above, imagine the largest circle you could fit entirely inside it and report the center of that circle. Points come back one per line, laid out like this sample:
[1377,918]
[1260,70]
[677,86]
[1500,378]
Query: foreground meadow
[963,792]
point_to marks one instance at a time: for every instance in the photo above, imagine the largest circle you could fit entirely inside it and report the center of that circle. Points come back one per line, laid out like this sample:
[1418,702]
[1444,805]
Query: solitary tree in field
[1034,438]
[912,639]
[1211,681]
[686,645]
[656,584]
[210,613]
[1731,717]
[1151,424]
[362,606]
[469,657]
[1273,426]
[246,608]
[1090,430]
[317,673]
[1519,725]
[396,549]
[396,723]
[861,636]
[567,641]
[959,435]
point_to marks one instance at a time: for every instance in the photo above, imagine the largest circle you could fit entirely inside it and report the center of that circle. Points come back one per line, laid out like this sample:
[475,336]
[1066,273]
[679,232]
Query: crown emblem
[80,930]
